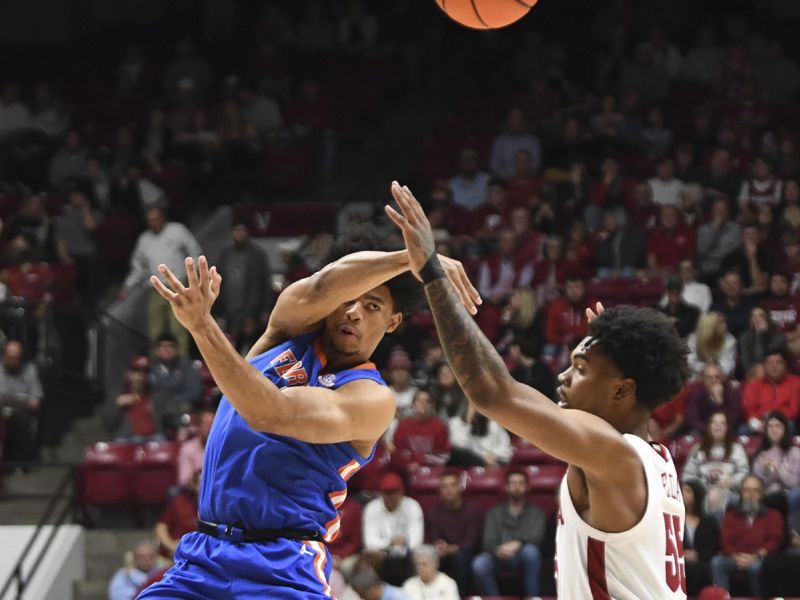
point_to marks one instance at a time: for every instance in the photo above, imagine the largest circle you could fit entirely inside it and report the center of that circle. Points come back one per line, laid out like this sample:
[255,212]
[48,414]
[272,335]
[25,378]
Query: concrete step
[91,589]
[113,542]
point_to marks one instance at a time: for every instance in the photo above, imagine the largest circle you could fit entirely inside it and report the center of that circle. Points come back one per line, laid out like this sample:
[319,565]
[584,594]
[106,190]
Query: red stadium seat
[681,448]
[425,480]
[546,478]
[368,479]
[485,485]
[526,453]
[751,444]
[155,471]
[106,473]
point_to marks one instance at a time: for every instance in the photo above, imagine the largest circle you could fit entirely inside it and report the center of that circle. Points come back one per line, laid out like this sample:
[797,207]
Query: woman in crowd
[778,463]
[701,538]
[711,341]
[761,338]
[477,441]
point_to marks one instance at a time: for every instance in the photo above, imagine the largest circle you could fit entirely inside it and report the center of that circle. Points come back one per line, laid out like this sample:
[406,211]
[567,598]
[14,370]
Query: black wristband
[432,270]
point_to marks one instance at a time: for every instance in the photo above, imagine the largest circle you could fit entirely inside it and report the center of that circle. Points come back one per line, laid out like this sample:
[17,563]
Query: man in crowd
[421,439]
[21,396]
[776,390]
[733,304]
[783,309]
[133,416]
[566,317]
[369,586]
[127,580]
[429,582]
[176,384]
[190,455]
[713,394]
[674,306]
[178,517]
[716,239]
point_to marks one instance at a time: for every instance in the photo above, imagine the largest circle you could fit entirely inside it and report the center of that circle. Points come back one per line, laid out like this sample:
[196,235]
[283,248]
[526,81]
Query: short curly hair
[645,346]
[407,294]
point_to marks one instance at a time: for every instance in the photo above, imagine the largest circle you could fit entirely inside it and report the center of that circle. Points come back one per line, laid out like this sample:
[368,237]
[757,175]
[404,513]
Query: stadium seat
[155,471]
[751,444]
[546,478]
[423,486]
[105,473]
[484,485]
[525,453]
[681,448]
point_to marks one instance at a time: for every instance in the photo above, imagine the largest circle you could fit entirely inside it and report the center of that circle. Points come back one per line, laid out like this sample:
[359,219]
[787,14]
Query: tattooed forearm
[475,362]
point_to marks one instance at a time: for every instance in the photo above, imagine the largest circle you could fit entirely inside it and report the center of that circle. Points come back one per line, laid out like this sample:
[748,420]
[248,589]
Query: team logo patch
[327,380]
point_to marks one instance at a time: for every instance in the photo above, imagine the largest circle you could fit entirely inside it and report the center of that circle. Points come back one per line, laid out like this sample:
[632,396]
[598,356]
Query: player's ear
[626,389]
[394,322]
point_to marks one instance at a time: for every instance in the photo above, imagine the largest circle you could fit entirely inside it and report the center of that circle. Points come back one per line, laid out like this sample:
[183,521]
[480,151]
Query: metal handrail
[17,574]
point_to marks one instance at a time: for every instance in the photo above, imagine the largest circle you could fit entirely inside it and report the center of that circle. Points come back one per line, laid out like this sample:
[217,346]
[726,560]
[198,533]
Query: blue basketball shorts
[212,569]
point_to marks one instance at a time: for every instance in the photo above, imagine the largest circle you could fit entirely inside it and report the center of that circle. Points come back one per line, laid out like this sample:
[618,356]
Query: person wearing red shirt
[133,417]
[783,309]
[669,418]
[421,439]
[179,518]
[550,272]
[776,390]
[749,533]
[566,317]
[491,217]
[523,183]
[528,242]
[670,243]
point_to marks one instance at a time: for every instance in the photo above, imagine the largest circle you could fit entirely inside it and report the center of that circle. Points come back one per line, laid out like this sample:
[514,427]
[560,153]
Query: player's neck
[636,423]
[338,361]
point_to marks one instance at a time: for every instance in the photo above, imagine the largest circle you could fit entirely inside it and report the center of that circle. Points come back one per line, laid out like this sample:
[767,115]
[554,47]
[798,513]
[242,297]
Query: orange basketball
[486,14]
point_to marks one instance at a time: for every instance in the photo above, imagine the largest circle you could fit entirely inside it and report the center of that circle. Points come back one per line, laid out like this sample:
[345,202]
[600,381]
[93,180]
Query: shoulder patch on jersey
[327,380]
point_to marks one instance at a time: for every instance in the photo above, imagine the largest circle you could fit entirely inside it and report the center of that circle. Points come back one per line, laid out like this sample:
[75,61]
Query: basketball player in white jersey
[621,517]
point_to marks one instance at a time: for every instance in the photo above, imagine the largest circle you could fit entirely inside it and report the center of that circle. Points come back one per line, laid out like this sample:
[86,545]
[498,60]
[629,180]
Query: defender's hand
[190,305]
[593,314]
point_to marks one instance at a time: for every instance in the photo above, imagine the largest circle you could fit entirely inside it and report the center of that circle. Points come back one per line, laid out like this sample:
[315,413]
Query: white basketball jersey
[644,563]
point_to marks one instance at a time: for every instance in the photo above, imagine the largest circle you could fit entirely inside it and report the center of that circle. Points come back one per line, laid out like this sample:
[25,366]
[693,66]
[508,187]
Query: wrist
[431,270]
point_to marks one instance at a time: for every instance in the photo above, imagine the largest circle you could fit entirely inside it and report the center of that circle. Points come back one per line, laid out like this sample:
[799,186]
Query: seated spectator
[721,178]
[68,162]
[694,292]
[608,193]
[778,462]
[566,318]
[478,441]
[369,586]
[127,580]
[429,582]
[515,138]
[759,340]
[719,463]
[670,243]
[666,187]
[346,547]
[716,239]
[21,396]
[783,309]
[453,526]
[777,390]
[421,439]
[178,518]
[176,385]
[713,393]
[445,214]
[399,380]
[523,182]
[30,228]
[750,532]
[448,397]
[733,304]
[685,315]
[791,203]
[701,537]
[393,526]
[762,188]
[711,342]
[752,260]
[75,230]
[550,272]
[512,536]
[470,187]
[779,571]
[134,417]
[190,455]
[620,248]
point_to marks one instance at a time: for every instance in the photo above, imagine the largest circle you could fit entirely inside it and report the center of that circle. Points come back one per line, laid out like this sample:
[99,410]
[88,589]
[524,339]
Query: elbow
[490,392]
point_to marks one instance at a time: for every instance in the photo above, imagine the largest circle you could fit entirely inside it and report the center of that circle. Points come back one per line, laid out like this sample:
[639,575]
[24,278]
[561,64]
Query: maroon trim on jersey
[596,567]
[661,450]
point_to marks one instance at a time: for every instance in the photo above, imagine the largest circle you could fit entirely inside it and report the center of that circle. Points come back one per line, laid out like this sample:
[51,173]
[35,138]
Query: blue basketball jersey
[260,480]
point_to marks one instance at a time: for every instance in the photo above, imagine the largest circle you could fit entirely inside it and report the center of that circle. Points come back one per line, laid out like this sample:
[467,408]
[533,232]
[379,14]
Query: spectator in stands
[512,535]
[566,317]
[719,463]
[666,187]
[176,384]
[421,439]
[517,137]
[733,304]
[429,582]
[453,526]
[31,229]
[491,219]
[69,162]
[179,517]
[393,526]
[470,187]
[134,416]
[716,239]
[247,292]
[346,548]
[749,533]
[127,580]
[720,177]
[715,393]
[779,571]
[399,379]
[14,113]
[762,188]
[783,309]
[760,339]
[550,272]
[777,390]
[789,209]
[656,138]
[165,243]
[778,462]
[711,342]
[620,248]
[685,315]
[186,69]
[447,395]
[694,292]
[670,243]
[190,455]
[477,440]
[606,193]
[75,234]
[21,396]
[701,537]
[369,586]
[752,260]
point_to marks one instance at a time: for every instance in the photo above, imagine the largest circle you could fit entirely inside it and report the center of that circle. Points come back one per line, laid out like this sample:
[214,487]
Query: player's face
[356,327]
[592,383]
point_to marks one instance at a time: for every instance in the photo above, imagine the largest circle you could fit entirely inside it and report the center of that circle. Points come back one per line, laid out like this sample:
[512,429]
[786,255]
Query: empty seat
[105,473]
[526,453]
[751,444]
[546,478]
[155,471]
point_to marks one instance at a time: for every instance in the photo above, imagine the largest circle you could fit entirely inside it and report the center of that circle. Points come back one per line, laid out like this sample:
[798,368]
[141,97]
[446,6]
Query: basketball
[486,14]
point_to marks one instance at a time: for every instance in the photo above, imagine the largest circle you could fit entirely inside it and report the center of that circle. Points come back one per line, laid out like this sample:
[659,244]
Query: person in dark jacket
[684,314]
[763,337]
[701,539]
[621,251]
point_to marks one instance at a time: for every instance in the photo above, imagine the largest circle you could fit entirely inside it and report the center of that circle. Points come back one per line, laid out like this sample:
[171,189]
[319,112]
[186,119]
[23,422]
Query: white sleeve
[459,433]
[727,360]
[416,523]
[501,442]
[373,540]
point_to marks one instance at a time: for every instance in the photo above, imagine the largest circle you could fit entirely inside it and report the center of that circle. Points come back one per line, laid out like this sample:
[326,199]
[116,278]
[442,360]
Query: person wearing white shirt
[694,292]
[478,440]
[666,187]
[470,187]
[162,243]
[516,137]
[429,583]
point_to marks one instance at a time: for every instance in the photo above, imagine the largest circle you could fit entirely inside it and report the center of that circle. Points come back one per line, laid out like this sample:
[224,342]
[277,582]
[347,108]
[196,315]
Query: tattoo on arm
[476,364]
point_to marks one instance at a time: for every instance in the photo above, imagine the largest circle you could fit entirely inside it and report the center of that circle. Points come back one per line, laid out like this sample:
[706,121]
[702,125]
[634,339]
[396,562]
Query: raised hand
[190,305]
[418,237]
[591,315]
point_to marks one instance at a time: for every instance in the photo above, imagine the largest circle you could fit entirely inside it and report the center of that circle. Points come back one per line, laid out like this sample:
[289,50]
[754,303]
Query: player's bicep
[576,437]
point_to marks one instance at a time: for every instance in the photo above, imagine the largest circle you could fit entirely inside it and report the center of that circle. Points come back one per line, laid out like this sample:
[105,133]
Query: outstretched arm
[576,437]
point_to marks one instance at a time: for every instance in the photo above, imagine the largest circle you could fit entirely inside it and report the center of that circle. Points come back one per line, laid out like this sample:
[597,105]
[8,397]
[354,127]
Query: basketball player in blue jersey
[299,416]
